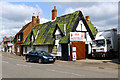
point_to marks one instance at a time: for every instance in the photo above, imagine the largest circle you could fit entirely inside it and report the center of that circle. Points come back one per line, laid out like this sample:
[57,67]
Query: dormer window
[18,38]
[57,34]
[57,37]
[32,38]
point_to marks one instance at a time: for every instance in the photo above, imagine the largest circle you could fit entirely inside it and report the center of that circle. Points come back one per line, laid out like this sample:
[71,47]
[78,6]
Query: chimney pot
[37,16]
[33,14]
[87,18]
[54,7]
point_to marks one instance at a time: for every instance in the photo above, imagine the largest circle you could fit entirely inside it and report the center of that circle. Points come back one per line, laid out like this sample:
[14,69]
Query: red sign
[77,36]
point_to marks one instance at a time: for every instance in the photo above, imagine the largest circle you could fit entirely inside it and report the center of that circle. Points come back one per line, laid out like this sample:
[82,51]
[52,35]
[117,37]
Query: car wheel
[27,59]
[39,61]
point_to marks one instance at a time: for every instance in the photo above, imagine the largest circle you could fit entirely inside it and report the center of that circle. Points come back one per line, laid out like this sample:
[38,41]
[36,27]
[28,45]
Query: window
[19,38]
[25,49]
[18,49]
[32,38]
[100,42]
[57,37]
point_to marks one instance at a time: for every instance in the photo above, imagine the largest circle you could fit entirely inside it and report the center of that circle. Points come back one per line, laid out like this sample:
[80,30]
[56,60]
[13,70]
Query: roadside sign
[10,44]
[74,56]
[77,36]
[73,48]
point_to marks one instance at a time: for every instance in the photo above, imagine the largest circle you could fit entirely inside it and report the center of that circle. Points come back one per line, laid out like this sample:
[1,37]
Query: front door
[79,48]
[65,55]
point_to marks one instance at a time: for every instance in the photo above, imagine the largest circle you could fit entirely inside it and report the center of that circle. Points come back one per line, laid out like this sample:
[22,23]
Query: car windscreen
[32,52]
[100,42]
[45,53]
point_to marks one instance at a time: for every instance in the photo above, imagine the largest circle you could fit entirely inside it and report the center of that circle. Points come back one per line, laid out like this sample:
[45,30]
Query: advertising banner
[77,36]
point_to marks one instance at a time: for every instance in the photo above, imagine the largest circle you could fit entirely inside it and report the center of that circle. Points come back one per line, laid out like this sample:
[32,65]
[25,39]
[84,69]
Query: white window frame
[18,49]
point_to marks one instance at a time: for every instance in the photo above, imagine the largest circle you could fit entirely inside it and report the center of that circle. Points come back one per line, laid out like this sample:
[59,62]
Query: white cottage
[55,36]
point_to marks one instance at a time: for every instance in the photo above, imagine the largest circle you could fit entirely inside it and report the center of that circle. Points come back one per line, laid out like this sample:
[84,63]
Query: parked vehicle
[40,56]
[105,44]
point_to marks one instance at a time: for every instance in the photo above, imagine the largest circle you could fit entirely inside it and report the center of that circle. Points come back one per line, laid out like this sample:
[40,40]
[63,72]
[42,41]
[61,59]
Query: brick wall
[35,21]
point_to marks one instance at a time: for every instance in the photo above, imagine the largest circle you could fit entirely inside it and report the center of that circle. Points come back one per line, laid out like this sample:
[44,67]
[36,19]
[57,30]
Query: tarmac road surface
[15,68]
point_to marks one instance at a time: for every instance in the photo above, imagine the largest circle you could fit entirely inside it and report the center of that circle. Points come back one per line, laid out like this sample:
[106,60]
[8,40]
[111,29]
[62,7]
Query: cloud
[43,20]
[73,4]
[18,12]
[14,16]
[102,15]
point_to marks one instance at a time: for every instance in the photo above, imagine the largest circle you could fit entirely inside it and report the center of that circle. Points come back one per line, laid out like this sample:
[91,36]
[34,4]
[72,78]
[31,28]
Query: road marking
[64,72]
[5,62]
[23,65]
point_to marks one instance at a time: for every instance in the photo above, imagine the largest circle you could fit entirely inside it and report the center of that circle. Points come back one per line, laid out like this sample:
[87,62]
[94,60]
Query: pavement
[11,55]
[86,63]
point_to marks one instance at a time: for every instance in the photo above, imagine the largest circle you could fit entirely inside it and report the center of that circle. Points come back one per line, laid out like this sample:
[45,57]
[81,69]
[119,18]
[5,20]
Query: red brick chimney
[54,13]
[37,20]
[33,19]
[4,38]
[87,18]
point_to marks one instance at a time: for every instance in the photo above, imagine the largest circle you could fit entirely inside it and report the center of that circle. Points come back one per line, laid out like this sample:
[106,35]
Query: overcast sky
[103,15]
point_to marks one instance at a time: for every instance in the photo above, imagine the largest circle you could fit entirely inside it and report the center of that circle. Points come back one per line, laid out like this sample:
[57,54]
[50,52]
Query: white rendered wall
[88,39]
[58,45]
[83,29]
[59,50]
[79,26]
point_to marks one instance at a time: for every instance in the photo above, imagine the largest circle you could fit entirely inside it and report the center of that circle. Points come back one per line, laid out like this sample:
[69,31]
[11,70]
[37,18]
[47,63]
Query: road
[14,68]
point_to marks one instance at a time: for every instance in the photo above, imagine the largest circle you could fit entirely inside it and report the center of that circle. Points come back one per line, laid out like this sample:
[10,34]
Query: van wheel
[27,59]
[39,61]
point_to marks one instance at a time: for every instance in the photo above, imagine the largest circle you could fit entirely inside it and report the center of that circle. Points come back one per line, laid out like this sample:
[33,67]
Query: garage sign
[74,56]
[77,36]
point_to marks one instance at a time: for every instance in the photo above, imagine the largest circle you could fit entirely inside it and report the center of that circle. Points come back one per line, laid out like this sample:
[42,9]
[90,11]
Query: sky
[103,15]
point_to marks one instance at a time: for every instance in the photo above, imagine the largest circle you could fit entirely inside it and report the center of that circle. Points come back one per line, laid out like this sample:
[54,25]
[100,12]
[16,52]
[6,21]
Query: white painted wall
[88,39]
[57,43]
[59,50]
[57,32]
[83,29]
[79,26]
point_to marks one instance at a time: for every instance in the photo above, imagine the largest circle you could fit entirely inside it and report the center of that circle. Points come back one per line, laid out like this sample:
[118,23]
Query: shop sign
[74,56]
[77,36]
[10,44]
